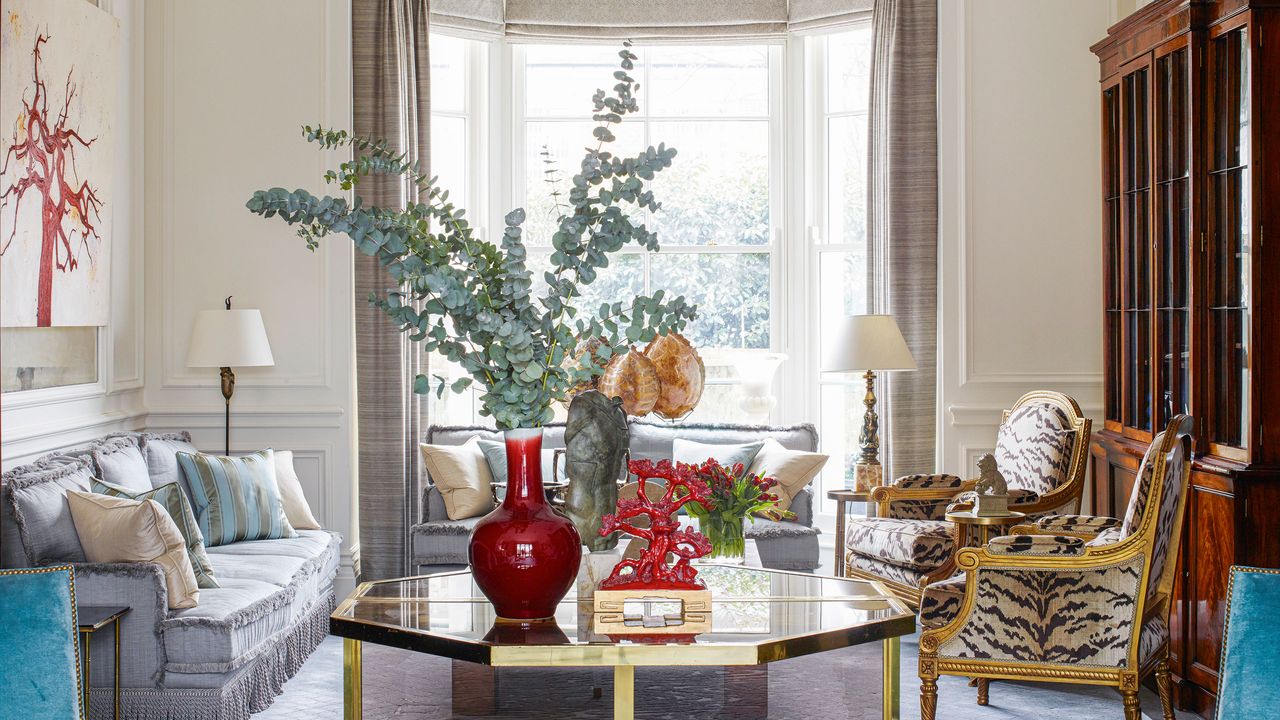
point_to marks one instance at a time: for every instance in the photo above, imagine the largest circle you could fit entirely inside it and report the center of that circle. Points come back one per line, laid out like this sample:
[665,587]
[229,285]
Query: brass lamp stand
[868,472]
[223,338]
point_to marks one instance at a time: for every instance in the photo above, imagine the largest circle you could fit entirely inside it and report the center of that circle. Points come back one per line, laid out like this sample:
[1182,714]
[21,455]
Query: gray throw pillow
[495,454]
[161,453]
[38,497]
[696,453]
[120,463]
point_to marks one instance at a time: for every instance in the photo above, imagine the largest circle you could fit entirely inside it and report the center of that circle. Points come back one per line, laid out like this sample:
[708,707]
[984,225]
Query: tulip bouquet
[733,496]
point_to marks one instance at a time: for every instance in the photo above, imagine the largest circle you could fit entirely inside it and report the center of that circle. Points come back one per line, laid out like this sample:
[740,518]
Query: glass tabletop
[756,616]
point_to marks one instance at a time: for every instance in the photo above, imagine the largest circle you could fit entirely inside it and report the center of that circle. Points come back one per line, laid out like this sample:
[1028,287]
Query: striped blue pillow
[235,498]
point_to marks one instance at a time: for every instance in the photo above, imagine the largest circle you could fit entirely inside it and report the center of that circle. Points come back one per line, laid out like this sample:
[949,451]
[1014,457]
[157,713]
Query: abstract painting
[58,89]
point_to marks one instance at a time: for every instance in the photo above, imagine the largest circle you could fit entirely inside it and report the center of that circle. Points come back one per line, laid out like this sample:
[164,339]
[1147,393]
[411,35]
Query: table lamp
[223,338]
[869,343]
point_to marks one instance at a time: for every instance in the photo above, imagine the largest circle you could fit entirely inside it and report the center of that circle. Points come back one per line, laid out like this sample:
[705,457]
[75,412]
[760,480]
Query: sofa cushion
[268,586]
[692,452]
[784,544]
[37,495]
[160,450]
[917,544]
[120,529]
[495,454]
[174,502]
[296,508]
[119,461]
[463,477]
[235,498]
[654,440]
[793,469]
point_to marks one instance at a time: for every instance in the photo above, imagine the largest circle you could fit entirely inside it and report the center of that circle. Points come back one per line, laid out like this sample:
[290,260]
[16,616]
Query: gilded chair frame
[1067,493]
[1125,678]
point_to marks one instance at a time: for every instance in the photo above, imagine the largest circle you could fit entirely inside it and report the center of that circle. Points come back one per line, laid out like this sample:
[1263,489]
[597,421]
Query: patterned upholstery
[941,602]
[916,544]
[1076,616]
[1076,523]
[1165,520]
[1034,446]
[1036,545]
[1155,634]
[923,509]
[888,571]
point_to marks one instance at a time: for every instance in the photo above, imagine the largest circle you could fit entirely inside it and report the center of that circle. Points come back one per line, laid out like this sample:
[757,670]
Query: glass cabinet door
[1112,200]
[1172,197]
[1136,250]
[1230,241]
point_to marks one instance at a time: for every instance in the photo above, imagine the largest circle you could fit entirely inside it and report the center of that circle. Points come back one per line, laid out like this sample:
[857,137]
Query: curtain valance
[651,20]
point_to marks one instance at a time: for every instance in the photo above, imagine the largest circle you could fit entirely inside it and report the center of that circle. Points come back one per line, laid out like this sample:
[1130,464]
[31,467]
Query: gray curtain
[391,100]
[903,215]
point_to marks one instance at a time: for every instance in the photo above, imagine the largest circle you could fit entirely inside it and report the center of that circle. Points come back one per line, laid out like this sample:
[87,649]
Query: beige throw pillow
[462,474]
[793,469]
[296,509]
[115,529]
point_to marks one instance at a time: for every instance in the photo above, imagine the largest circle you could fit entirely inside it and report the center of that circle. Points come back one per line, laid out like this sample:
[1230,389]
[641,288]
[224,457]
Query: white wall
[229,84]
[36,422]
[1020,292]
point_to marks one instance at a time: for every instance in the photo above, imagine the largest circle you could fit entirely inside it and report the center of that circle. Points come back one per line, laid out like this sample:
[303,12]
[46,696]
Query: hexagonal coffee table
[757,616]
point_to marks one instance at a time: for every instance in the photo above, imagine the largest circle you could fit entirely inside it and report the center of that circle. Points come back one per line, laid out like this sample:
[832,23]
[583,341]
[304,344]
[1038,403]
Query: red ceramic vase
[525,554]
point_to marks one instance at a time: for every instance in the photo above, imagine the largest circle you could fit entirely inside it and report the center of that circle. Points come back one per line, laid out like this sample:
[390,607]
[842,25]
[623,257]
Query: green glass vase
[727,536]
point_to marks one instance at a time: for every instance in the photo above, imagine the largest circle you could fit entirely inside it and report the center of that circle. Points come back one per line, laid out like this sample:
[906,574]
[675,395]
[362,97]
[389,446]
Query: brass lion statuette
[992,492]
[596,442]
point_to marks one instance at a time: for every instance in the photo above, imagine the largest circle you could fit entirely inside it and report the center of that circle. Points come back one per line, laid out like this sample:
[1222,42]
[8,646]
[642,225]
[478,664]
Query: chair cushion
[923,509]
[120,529]
[119,461]
[941,602]
[37,497]
[41,677]
[443,542]
[916,544]
[1034,447]
[883,570]
[235,498]
[174,502]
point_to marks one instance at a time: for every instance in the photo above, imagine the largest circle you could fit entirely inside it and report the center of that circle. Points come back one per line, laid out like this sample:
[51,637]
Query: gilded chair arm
[1089,524]
[896,493]
[1036,545]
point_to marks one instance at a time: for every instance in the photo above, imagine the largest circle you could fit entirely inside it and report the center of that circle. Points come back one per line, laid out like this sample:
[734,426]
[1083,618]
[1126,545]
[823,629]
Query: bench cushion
[916,544]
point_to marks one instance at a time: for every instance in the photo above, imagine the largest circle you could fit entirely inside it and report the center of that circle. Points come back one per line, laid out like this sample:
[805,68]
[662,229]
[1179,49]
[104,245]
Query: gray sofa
[221,660]
[438,543]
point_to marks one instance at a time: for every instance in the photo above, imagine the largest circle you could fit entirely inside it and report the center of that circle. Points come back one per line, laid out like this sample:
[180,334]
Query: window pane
[709,81]
[847,179]
[622,280]
[560,79]
[566,141]
[716,191]
[848,70]
[730,290]
[448,73]
[45,357]
[840,421]
[449,156]
[842,291]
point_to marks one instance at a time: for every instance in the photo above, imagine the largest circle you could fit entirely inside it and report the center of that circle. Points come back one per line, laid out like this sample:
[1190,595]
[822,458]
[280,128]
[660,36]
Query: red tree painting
[42,151]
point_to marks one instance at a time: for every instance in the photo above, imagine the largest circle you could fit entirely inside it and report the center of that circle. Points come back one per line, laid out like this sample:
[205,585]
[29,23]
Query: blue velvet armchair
[38,644]
[1248,689]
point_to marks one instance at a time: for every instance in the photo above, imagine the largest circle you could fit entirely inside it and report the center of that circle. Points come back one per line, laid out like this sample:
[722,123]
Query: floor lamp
[226,338]
[867,343]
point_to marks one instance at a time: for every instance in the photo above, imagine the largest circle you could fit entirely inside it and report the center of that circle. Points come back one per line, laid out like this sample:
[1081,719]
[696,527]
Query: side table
[90,619]
[843,497]
[982,524]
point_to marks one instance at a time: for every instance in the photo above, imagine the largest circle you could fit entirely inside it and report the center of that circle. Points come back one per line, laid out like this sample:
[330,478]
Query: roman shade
[656,21]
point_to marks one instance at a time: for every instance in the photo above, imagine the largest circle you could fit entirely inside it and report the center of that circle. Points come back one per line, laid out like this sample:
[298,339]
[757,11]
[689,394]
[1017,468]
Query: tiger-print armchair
[1042,449]
[1068,599]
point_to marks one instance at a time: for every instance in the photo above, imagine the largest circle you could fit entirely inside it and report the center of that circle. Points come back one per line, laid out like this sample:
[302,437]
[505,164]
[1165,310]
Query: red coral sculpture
[650,570]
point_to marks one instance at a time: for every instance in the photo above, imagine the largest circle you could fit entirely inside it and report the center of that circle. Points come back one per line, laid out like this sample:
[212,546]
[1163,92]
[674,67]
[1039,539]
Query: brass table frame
[983,524]
[625,658]
[89,620]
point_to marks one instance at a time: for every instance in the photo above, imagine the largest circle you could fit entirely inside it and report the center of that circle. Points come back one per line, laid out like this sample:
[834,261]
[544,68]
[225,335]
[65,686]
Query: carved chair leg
[928,698]
[983,686]
[1165,684]
[1132,705]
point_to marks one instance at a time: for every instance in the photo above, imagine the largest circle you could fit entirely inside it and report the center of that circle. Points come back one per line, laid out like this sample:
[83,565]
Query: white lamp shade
[229,338]
[868,342]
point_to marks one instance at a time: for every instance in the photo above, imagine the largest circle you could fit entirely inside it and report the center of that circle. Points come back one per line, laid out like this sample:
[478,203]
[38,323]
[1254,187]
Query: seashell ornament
[631,376]
[681,375]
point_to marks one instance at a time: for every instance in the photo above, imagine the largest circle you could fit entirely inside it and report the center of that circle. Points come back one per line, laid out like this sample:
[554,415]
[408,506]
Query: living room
[763,359]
